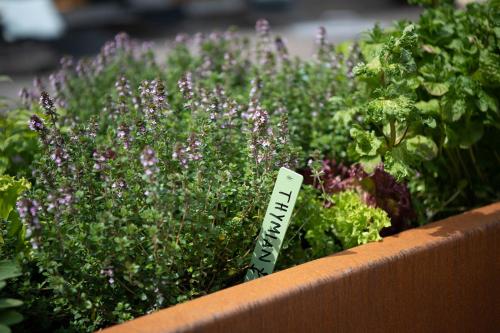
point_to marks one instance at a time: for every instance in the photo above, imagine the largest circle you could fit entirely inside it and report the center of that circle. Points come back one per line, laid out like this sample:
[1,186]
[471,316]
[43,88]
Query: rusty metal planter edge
[442,277]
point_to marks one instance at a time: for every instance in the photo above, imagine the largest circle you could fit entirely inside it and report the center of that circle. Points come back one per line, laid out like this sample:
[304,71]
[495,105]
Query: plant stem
[392,124]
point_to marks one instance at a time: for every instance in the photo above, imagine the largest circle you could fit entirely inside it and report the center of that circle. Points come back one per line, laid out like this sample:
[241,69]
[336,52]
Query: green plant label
[275,224]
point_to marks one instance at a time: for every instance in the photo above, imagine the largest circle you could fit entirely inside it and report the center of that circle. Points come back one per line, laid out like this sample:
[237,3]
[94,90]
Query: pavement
[296,21]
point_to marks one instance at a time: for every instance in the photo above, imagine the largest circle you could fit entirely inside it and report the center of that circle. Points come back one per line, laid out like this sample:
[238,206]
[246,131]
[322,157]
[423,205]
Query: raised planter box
[443,277]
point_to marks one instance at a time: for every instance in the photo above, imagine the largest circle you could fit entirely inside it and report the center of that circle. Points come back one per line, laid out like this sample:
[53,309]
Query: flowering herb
[150,181]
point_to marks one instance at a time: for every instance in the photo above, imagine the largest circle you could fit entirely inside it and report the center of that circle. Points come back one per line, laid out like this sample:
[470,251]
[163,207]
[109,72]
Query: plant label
[275,224]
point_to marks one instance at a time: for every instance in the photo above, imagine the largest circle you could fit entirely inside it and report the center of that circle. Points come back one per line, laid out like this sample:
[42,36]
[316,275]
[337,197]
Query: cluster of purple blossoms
[36,124]
[38,86]
[102,157]
[64,197]
[353,60]
[48,106]
[283,127]
[182,38]
[153,99]
[28,212]
[67,62]
[263,43]
[83,68]
[254,95]
[212,103]
[262,28]
[119,186]
[326,53]
[58,82]
[321,38]
[193,149]
[123,90]
[109,273]
[282,50]
[123,134]
[191,152]
[185,85]
[261,137]
[159,94]
[26,98]
[149,161]
[59,156]
[229,114]
[229,61]
[179,154]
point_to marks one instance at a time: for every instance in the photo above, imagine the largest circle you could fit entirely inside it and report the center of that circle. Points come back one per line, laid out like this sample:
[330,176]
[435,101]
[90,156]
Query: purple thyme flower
[59,156]
[123,134]
[118,186]
[38,85]
[262,28]
[281,49]
[283,129]
[26,98]
[229,115]
[109,273]
[123,42]
[28,212]
[185,85]
[153,98]
[261,136]
[122,86]
[193,149]
[179,154]
[102,157]
[48,106]
[67,62]
[149,162]
[159,94]
[36,124]
[57,82]
[321,37]
[353,60]
[181,38]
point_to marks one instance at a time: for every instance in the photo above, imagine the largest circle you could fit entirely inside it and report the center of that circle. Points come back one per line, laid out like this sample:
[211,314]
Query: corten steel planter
[442,277]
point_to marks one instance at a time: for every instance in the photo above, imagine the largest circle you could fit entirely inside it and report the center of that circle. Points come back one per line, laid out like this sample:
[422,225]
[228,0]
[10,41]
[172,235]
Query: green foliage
[10,190]
[151,179]
[18,144]
[8,316]
[349,220]
[11,229]
[428,93]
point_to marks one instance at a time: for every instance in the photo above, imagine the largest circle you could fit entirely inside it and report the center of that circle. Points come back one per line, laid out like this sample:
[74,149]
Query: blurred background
[35,34]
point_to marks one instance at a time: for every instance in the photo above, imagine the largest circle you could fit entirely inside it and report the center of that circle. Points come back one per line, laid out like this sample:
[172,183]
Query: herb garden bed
[442,277]
[129,184]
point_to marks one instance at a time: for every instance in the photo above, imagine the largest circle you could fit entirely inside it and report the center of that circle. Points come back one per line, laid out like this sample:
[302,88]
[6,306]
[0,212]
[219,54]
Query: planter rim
[229,303]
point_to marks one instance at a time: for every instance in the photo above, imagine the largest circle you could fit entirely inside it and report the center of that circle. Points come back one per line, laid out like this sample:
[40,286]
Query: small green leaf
[421,146]
[10,317]
[8,269]
[370,163]
[10,189]
[472,133]
[9,303]
[395,165]
[455,111]
[436,89]
[430,107]
[367,143]
[4,329]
